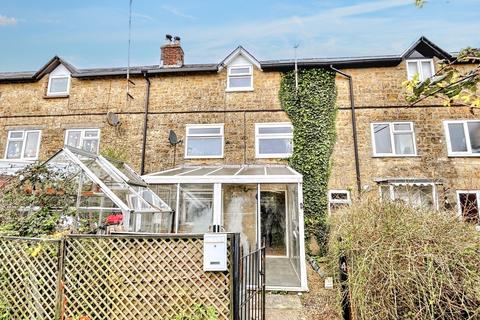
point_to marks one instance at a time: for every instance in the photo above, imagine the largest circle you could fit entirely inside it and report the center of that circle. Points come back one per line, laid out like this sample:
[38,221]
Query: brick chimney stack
[172,52]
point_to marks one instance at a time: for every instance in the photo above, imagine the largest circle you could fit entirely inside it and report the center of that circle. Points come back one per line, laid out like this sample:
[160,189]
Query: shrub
[405,263]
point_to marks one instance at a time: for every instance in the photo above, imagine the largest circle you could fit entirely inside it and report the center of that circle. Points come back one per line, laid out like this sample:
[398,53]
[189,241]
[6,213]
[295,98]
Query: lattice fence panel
[140,278]
[28,278]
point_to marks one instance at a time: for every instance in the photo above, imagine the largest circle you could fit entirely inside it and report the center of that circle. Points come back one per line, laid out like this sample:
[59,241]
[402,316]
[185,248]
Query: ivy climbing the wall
[312,111]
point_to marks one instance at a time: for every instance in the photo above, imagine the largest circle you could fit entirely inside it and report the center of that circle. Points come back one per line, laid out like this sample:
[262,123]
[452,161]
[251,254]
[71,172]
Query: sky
[94,33]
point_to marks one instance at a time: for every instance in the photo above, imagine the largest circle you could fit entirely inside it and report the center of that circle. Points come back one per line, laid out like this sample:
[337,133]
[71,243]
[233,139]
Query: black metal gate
[249,283]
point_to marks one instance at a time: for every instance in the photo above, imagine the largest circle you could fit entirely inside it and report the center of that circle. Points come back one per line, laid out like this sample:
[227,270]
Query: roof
[225,174]
[422,47]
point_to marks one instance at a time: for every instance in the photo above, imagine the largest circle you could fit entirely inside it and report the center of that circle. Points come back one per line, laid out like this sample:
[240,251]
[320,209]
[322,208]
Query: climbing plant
[312,111]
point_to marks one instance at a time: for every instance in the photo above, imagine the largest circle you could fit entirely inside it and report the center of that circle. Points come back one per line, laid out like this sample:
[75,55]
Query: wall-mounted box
[215,252]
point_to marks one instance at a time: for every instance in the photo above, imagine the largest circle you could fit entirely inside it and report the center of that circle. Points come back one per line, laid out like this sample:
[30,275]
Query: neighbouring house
[211,140]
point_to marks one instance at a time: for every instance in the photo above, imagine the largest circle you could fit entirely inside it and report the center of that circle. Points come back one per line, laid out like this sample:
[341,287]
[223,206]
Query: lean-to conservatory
[262,203]
[108,188]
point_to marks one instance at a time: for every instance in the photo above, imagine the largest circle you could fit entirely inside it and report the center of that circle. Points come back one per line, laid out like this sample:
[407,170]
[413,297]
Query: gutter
[354,129]
[145,121]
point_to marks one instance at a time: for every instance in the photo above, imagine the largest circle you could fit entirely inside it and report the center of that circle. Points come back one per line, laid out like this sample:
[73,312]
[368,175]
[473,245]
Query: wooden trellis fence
[111,277]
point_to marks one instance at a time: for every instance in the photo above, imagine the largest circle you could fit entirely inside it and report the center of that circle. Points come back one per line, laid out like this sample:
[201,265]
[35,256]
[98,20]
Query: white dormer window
[240,78]
[423,67]
[59,82]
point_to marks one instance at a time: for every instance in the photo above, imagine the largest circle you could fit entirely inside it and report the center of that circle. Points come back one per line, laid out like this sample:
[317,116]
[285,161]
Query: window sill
[202,157]
[283,156]
[464,155]
[397,156]
[58,96]
[239,90]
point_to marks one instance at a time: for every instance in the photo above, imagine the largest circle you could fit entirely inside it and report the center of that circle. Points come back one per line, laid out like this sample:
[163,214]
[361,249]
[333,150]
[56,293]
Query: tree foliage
[313,112]
[33,202]
[450,83]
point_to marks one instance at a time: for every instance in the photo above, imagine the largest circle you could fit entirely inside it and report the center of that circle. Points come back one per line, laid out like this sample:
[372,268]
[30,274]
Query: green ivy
[312,111]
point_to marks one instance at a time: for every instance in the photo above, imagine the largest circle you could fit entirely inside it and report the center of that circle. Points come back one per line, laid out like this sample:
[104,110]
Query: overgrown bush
[405,263]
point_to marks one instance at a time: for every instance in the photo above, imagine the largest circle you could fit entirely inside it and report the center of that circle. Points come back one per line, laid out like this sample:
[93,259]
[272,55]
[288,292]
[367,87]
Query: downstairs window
[468,205]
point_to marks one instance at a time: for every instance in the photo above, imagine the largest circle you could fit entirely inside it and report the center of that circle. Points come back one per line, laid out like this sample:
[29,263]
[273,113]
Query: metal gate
[250,285]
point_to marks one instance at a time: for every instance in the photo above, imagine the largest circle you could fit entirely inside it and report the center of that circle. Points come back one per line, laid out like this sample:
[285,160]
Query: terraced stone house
[212,139]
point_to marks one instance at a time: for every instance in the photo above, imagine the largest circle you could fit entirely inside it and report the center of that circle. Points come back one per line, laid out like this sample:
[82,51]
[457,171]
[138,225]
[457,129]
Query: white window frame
[459,206]
[195,126]
[24,140]
[391,191]
[82,136]
[331,201]
[467,153]
[419,68]
[250,73]
[63,93]
[391,126]
[259,136]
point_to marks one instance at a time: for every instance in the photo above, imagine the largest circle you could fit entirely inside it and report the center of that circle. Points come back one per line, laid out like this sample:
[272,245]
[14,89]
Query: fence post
[346,311]
[235,244]
[60,277]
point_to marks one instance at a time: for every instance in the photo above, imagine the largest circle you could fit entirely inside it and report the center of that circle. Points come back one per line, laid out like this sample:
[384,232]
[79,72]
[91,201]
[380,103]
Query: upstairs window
[23,144]
[204,141]
[59,82]
[423,67]
[240,78]
[393,139]
[86,139]
[463,138]
[273,140]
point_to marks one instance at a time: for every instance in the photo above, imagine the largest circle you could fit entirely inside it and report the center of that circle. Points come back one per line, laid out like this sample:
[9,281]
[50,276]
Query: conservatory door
[273,222]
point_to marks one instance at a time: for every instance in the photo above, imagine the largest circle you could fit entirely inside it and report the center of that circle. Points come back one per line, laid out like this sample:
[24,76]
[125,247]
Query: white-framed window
[59,82]
[423,67]
[23,144]
[393,139]
[273,140]
[338,199]
[240,78]
[86,139]
[463,137]
[419,195]
[204,141]
[468,206]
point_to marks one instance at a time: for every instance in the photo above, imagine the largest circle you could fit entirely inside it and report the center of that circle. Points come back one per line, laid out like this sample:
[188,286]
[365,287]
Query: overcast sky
[94,33]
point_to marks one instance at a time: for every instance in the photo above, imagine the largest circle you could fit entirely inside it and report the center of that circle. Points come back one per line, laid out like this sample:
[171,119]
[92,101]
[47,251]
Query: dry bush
[406,263]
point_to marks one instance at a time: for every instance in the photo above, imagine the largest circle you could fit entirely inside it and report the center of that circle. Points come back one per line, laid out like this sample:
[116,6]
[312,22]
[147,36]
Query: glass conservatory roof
[226,174]
[105,185]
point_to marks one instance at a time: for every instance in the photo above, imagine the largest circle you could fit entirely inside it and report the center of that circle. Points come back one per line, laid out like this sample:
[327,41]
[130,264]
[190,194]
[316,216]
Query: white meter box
[215,252]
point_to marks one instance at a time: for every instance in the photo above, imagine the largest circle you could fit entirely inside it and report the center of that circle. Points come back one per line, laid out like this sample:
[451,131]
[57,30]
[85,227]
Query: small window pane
[90,145]
[14,149]
[383,144]
[427,71]
[273,130]
[457,137]
[412,69]
[469,207]
[91,133]
[202,146]
[58,85]
[31,145]
[16,135]
[73,139]
[243,70]
[339,196]
[275,146]
[403,143]
[402,127]
[474,131]
[240,82]
[204,130]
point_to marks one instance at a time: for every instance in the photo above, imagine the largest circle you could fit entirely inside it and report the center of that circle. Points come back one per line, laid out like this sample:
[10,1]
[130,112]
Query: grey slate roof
[422,46]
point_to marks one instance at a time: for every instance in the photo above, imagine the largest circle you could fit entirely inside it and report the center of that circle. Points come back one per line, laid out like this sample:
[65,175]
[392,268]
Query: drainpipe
[145,121]
[354,129]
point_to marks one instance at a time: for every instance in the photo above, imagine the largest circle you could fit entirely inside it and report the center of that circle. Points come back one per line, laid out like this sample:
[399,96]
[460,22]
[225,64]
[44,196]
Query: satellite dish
[172,138]
[113,119]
